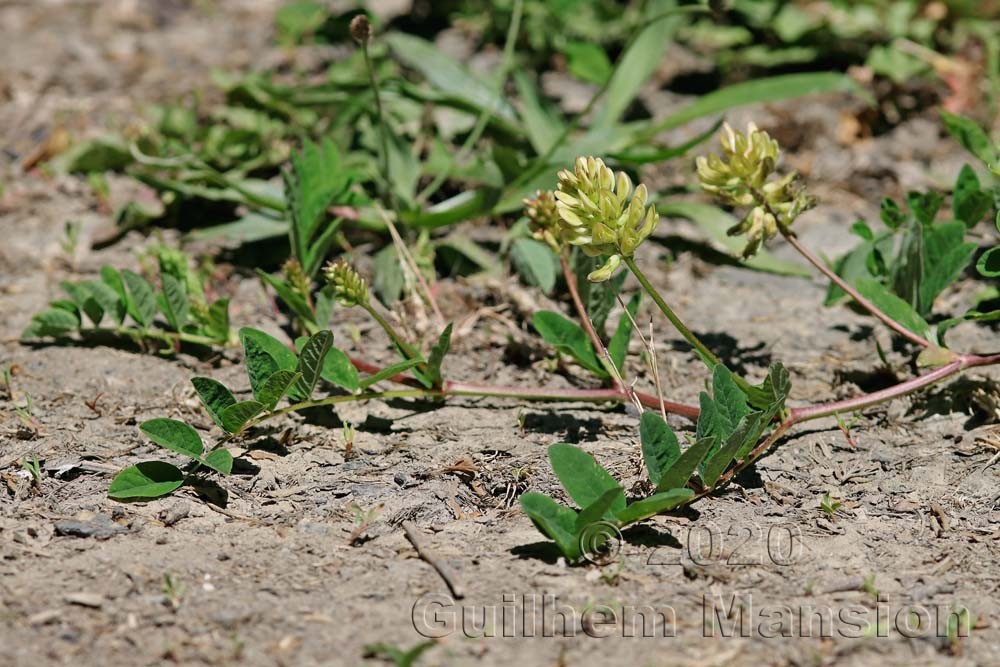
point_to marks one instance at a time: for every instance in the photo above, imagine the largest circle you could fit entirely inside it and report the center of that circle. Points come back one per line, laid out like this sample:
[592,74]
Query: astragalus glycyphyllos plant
[738,422]
[603,214]
[279,374]
[176,314]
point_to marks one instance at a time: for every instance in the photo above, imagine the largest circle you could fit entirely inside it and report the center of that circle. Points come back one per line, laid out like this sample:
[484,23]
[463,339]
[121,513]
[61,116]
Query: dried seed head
[361,29]
[349,288]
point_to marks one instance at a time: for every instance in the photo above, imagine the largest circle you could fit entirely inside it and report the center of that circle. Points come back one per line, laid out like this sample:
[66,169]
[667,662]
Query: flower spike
[740,177]
[602,213]
[349,288]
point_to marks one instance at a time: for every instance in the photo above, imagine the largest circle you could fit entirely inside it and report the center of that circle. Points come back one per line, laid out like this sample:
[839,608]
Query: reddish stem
[650,401]
[853,293]
[799,415]
[581,310]
[538,394]
[962,362]
[795,416]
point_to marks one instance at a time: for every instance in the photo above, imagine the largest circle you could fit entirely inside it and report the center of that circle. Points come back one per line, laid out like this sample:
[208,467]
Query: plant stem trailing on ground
[593,222]
[601,213]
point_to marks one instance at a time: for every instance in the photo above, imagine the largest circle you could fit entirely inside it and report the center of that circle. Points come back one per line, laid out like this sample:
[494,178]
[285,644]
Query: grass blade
[389,371]
[714,222]
[758,91]
[447,75]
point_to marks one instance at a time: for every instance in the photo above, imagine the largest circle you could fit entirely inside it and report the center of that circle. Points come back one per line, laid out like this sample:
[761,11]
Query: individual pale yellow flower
[601,214]
[349,288]
[740,177]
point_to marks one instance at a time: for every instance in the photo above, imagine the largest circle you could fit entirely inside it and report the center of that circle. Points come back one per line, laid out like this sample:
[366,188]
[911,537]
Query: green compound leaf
[654,504]
[431,376]
[338,370]
[175,302]
[141,298]
[219,460]
[260,365]
[310,364]
[534,262]
[151,479]
[679,473]
[53,322]
[745,432]
[568,338]
[214,395]
[772,392]
[235,417]
[583,477]
[721,412]
[946,256]
[890,304]
[85,301]
[284,357]
[556,521]
[970,203]
[216,322]
[276,386]
[110,300]
[730,406]
[599,510]
[173,435]
[113,279]
[660,449]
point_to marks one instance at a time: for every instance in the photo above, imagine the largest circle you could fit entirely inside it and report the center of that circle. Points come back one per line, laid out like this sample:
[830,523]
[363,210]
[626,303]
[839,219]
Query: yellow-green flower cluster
[600,213]
[543,218]
[740,177]
[349,288]
[297,278]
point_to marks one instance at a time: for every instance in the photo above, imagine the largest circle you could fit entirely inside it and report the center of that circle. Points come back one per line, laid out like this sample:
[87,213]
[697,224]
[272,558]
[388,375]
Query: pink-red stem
[795,415]
[854,294]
